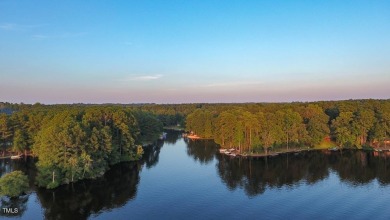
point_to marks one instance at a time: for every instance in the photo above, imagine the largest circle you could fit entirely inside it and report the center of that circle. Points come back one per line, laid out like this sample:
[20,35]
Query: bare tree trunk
[250,139]
[287,141]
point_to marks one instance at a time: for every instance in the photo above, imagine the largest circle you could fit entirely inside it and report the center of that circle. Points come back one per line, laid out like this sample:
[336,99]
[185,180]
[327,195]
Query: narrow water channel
[184,179]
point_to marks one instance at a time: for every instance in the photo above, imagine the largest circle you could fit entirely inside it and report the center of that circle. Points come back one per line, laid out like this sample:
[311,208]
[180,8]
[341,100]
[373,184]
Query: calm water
[180,179]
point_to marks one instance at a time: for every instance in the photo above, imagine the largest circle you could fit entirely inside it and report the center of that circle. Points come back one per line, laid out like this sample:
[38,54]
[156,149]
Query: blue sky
[193,51]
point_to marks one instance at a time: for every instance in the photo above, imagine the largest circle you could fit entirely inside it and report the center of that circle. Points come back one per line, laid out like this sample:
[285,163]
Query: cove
[188,179]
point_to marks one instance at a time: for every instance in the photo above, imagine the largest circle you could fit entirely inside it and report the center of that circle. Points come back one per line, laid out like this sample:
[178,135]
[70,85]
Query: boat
[333,149]
[222,151]
[193,136]
[163,136]
[15,157]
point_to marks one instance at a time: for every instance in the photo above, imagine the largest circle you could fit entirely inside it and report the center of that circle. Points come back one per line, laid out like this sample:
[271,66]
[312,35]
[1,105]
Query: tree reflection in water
[115,189]
[27,165]
[255,175]
[151,154]
[172,136]
[81,199]
[20,203]
[354,167]
[118,186]
[201,150]
[359,167]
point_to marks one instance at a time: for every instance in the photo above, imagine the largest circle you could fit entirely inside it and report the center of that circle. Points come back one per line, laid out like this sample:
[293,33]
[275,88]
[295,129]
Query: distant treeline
[254,127]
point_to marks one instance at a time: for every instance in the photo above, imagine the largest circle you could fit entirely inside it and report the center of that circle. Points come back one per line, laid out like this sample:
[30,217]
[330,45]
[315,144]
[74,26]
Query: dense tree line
[81,141]
[77,142]
[249,127]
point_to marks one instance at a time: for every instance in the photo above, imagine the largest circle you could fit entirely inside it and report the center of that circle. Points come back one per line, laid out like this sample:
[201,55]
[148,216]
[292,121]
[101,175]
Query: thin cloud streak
[232,84]
[144,77]
[19,27]
[61,36]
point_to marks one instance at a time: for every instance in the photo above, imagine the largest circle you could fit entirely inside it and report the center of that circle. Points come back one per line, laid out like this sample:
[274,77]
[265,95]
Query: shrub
[13,184]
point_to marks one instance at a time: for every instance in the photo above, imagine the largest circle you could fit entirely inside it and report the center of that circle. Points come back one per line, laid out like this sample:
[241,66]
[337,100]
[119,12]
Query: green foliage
[343,129]
[249,127]
[13,184]
[363,121]
[150,126]
[74,145]
[52,185]
[201,123]
[316,122]
[20,141]
[48,175]
[79,141]
[5,131]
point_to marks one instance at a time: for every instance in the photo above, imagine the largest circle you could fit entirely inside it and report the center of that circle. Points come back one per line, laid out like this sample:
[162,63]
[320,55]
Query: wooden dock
[271,154]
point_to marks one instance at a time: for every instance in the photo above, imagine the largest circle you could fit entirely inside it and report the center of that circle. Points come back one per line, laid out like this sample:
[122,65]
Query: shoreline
[295,151]
[174,128]
[18,155]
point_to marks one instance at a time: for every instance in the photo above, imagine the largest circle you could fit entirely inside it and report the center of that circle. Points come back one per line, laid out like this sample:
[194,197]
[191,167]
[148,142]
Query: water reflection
[20,203]
[119,185]
[201,150]
[80,200]
[255,175]
[288,170]
[359,167]
[172,136]
[152,153]
[26,164]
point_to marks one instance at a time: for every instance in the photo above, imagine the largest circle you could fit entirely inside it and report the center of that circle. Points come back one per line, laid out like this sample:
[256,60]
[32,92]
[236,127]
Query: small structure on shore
[193,136]
[163,136]
[231,152]
[16,157]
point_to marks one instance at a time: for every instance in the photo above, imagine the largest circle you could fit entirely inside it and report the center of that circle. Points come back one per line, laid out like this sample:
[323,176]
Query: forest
[76,142]
[81,141]
[263,126]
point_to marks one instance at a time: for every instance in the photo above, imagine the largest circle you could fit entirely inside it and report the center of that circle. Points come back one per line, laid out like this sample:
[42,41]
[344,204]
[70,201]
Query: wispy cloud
[19,27]
[143,77]
[76,34]
[232,84]
[7,26]
[59,36]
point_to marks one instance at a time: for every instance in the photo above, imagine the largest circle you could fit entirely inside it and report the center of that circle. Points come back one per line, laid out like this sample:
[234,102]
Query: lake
[185,179]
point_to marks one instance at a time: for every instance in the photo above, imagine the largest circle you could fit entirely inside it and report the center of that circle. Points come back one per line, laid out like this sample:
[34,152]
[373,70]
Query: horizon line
[189,103]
